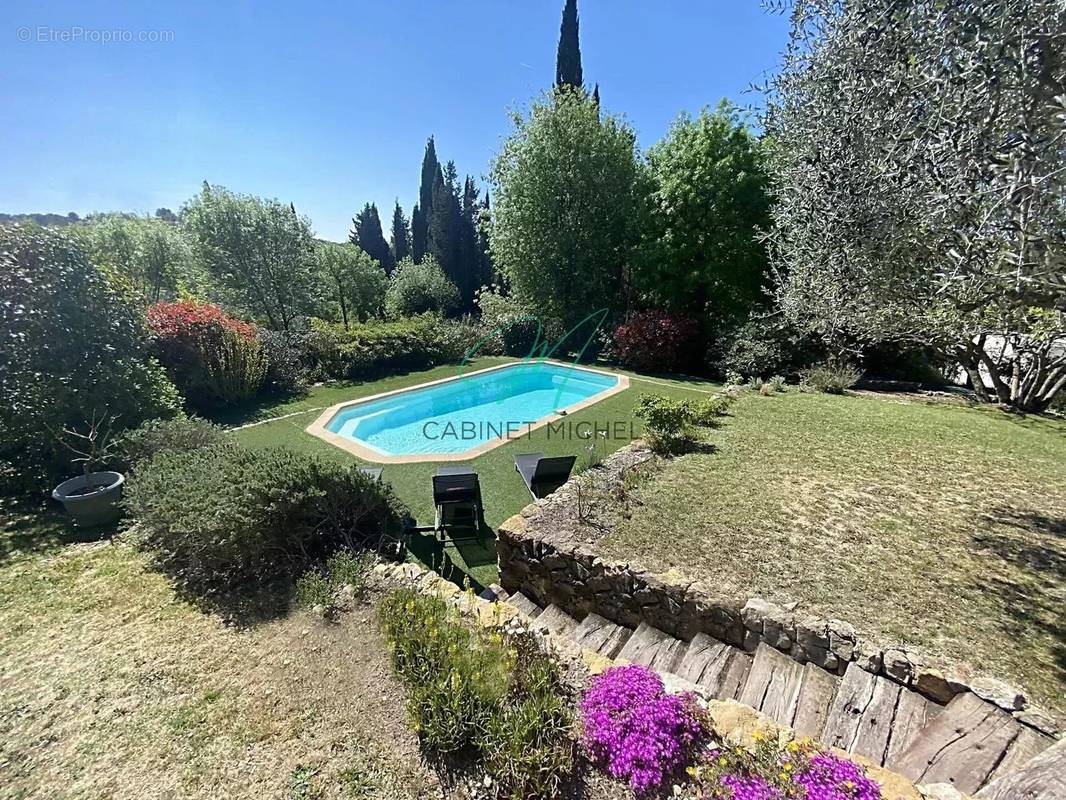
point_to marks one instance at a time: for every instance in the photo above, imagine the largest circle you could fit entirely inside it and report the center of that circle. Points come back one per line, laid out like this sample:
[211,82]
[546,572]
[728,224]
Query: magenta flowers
[637,731]
[830,778]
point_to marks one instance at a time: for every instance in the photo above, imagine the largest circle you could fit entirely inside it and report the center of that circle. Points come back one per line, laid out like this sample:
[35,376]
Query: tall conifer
[568,56]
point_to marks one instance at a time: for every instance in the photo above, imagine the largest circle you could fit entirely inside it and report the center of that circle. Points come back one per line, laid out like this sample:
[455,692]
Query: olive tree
[919,163]
[259,252]
[567,206]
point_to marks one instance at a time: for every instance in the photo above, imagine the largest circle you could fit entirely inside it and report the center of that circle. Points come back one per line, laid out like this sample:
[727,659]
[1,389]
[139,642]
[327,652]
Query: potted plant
[93,497]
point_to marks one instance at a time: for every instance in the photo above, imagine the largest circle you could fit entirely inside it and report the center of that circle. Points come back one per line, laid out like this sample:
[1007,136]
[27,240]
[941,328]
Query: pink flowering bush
[795,771]
[635,730]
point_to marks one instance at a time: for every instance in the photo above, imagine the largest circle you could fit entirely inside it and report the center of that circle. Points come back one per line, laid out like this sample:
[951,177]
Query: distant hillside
[42,219]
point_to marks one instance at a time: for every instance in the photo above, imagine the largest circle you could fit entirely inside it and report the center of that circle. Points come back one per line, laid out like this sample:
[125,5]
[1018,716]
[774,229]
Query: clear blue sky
[328,105]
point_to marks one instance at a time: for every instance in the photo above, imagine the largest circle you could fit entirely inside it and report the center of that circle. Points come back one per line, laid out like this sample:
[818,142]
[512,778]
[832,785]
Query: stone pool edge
[319,430]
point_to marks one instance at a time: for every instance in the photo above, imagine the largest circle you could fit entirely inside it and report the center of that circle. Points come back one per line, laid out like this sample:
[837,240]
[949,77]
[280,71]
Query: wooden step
[913,713]
[773,684]
[601,635]
[816,694]
[1026,745]
[524,604]
[962,746]
[718,667]
[860,718]
[653,648]
[557,621]
[1041,778]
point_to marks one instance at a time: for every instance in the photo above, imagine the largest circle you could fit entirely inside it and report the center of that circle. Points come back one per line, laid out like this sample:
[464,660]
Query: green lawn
[503,492]
[935,524]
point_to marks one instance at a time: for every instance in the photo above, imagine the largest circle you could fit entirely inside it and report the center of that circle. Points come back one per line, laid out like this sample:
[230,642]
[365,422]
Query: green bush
[706,412]
[472,689]
[367,350]
[514,326]
[830,377]
[218,518]
[777,383]
[319,585]
[74,345]
[180,434]
[764,346]
[286,374]
[234,368]
[420,288]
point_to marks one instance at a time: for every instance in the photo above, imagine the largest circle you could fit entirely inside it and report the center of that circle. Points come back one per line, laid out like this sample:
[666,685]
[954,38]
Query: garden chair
[457,497]
[372,472]
[541,475]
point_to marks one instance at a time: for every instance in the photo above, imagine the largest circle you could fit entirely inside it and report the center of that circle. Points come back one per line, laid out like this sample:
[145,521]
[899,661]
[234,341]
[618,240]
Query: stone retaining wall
[537,556]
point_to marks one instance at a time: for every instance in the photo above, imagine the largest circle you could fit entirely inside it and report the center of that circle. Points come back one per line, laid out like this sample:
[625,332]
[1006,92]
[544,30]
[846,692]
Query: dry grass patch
[110,687]
[936,525]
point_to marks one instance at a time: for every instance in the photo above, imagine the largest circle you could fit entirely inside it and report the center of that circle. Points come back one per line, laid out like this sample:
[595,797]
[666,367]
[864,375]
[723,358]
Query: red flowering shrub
[656,341]
[212,357]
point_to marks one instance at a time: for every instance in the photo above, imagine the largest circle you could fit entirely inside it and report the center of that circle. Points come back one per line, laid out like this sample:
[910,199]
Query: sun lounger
[541,475]
[457,497]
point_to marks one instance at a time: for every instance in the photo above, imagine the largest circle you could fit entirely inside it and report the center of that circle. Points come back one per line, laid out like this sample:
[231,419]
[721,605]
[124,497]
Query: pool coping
[319,430]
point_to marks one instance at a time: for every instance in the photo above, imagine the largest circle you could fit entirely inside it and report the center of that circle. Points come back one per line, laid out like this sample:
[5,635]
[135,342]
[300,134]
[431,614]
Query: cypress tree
[445,226]
[366,232]
[401,236]
[420,230]
[568,56]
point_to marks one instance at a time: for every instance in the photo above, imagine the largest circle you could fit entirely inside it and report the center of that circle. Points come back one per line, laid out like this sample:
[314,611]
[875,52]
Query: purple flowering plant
[797,770]
[638,732]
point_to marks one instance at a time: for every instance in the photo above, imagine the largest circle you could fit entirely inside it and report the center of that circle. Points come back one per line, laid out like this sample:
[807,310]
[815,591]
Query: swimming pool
[461,417]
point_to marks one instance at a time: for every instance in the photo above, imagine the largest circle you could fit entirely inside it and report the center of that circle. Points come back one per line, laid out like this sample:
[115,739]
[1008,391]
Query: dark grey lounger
[457,497]
[373,472]
[541,475]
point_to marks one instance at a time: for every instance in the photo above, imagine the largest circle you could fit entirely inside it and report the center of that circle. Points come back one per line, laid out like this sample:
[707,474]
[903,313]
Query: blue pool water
[464,413]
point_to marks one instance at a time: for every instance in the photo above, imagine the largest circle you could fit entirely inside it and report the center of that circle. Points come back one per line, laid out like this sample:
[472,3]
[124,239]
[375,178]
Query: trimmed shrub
[364,351]
[638,732]
[654,341]
[669,423]
[420,288]
[74,346]
[471,689]
[178,435]
[212,357]
[831,377]
[764,346]
[217,518]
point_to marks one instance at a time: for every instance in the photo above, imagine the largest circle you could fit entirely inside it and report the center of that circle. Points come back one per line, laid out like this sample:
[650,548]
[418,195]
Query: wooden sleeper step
[653,648]
[718,667]
[524,604]
[601,635]
[557,621]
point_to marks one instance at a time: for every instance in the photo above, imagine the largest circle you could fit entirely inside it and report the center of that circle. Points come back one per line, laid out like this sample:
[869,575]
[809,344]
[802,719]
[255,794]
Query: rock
[812,633]
[932,683]
[751,641]
[842,638]
[868,656]
[940,791]
[898,665]
[997,692]
[1036,718]
[753,613]
[318,610]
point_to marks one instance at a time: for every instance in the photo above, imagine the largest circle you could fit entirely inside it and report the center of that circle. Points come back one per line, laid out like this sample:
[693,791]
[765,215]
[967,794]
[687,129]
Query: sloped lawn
[935,524]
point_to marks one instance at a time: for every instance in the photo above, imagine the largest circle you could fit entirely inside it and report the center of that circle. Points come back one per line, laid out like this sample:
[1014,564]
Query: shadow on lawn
[27,529]
[1036,549]
[441,557]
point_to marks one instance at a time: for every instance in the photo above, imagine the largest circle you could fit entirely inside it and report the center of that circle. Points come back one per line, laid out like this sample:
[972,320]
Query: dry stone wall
[544,553]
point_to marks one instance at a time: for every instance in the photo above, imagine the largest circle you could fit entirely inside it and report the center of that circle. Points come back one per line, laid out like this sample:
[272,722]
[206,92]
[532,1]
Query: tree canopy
[259,253]
[708,203]
[356,282]
[917,158]
[367,233]
[567,206]
[568,55]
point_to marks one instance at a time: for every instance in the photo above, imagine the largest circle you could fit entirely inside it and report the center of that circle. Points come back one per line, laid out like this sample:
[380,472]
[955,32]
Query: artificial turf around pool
[503,492]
